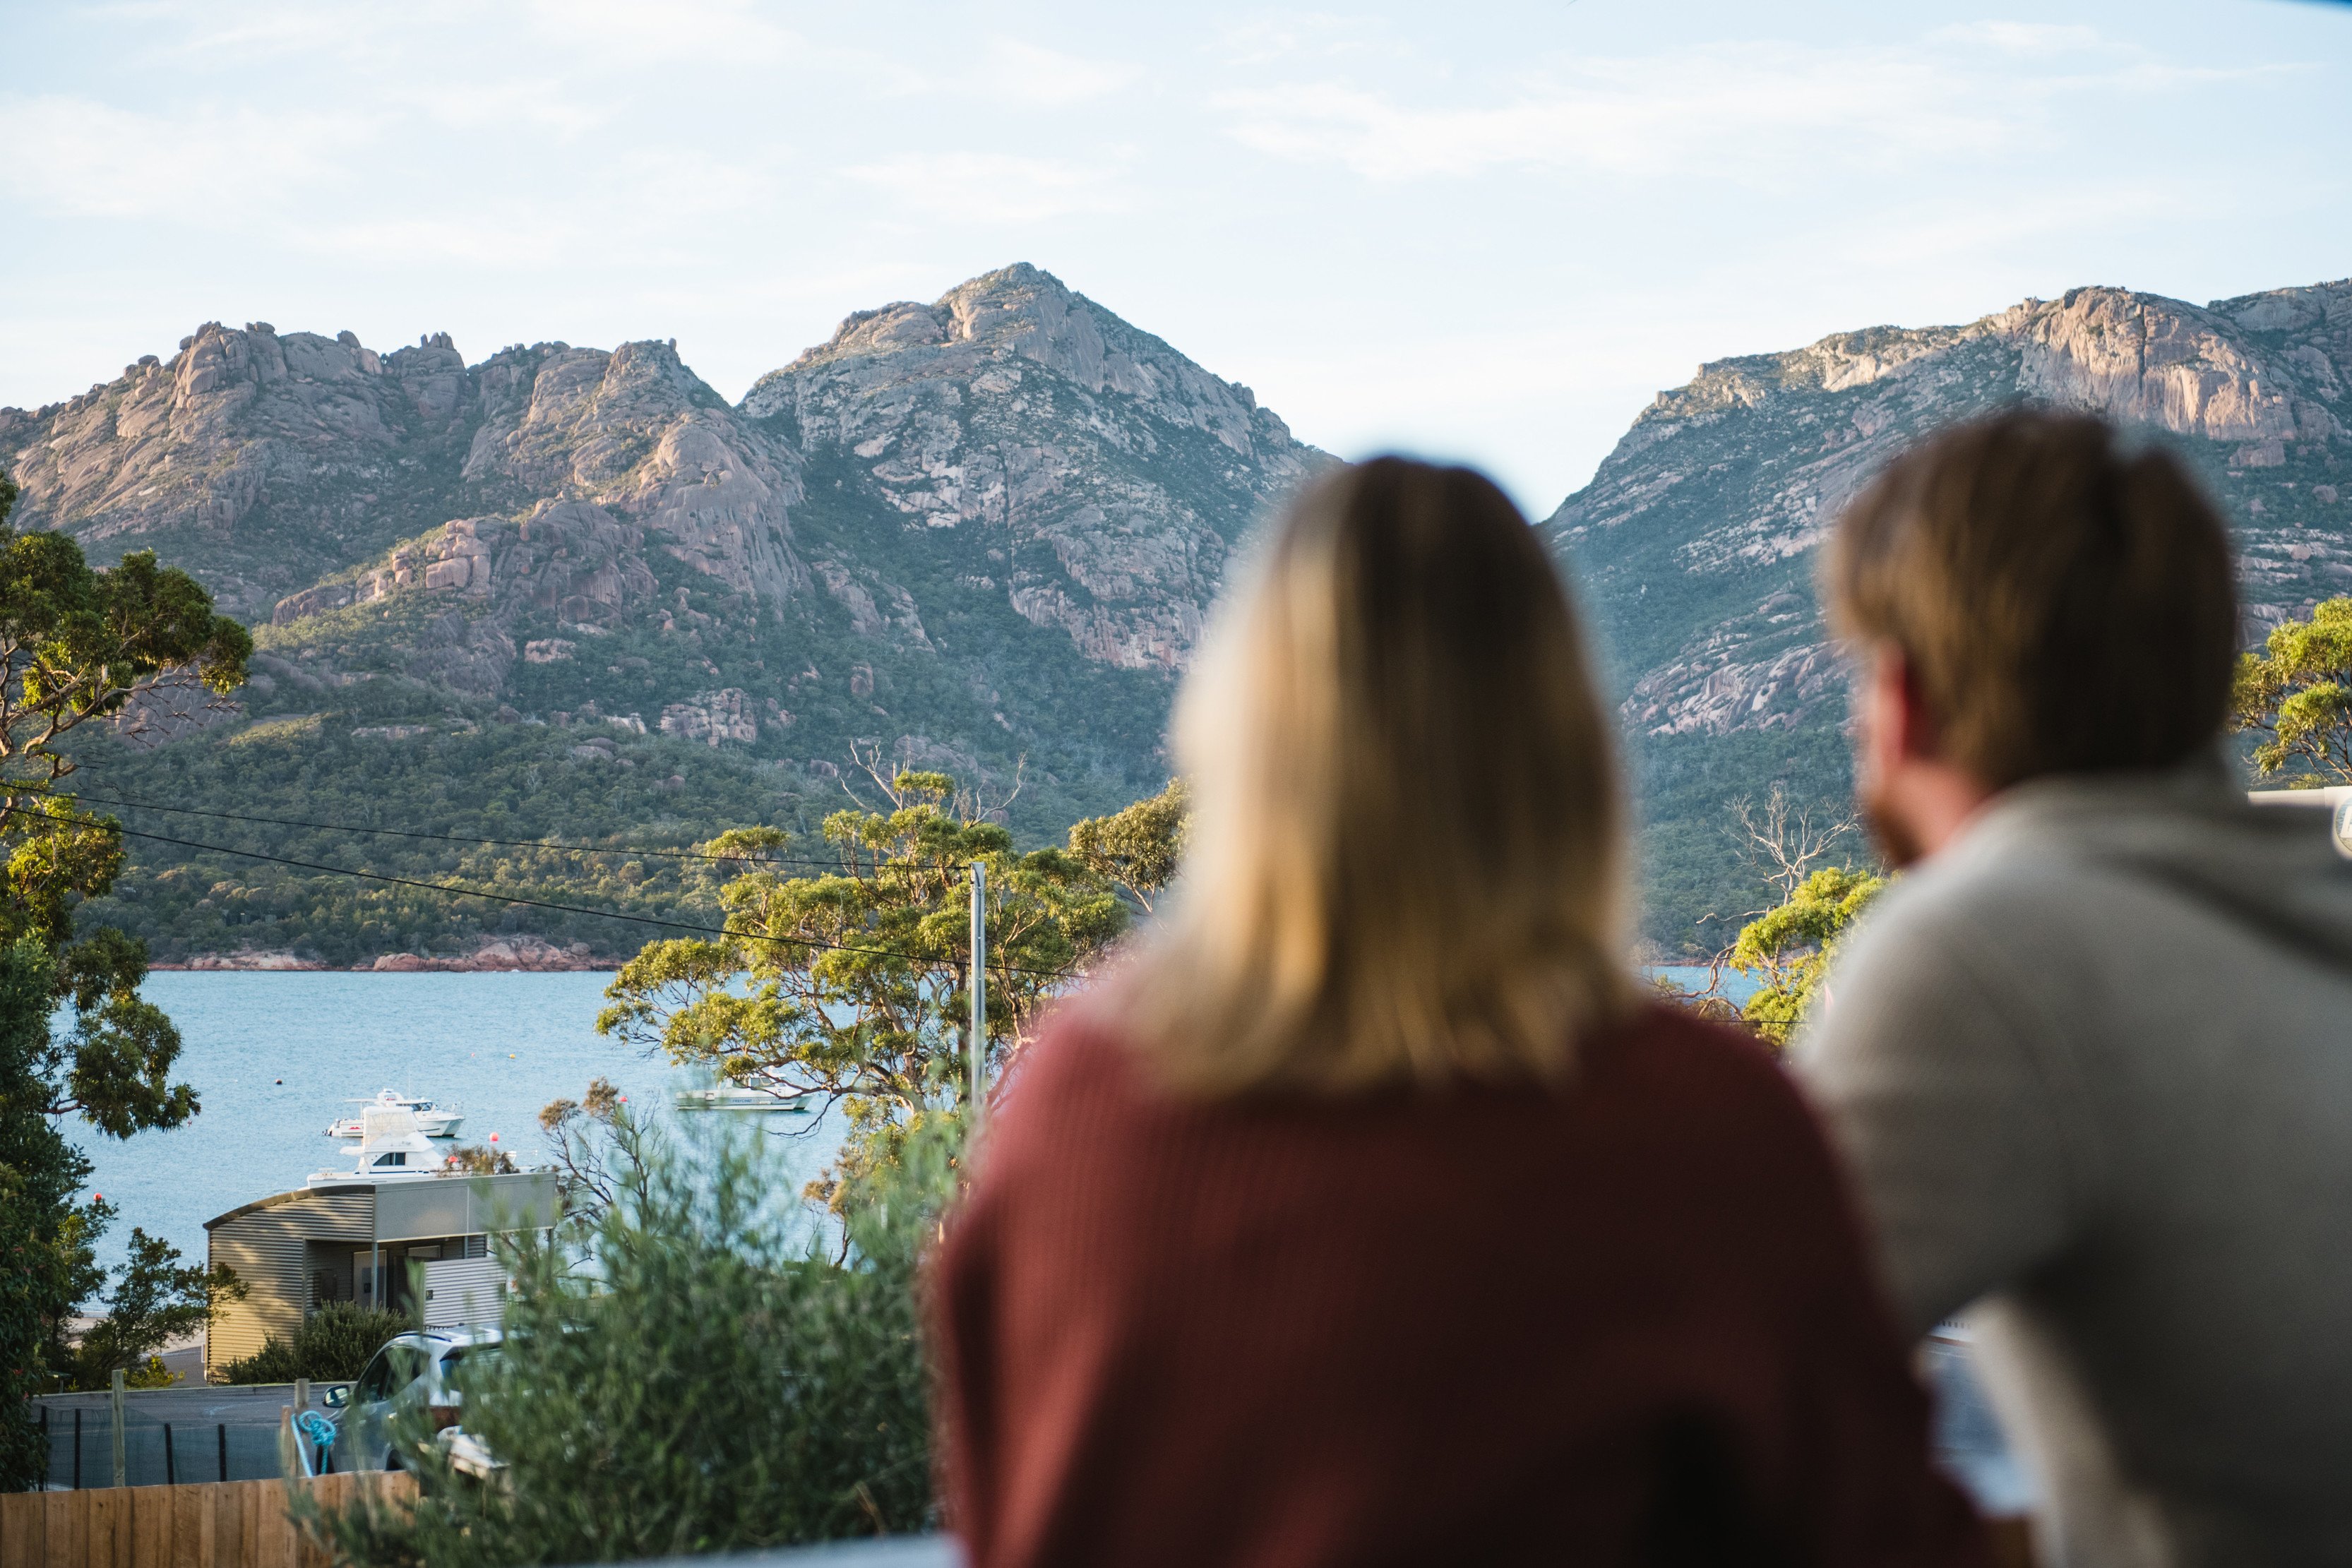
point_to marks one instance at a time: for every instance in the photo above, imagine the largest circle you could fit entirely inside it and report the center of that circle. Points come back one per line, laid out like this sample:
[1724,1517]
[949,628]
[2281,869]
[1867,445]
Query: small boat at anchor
[393,1147]
[740,1097]
[433,1119]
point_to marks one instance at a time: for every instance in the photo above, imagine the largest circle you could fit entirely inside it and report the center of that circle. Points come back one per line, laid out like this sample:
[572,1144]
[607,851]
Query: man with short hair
[2091,1058]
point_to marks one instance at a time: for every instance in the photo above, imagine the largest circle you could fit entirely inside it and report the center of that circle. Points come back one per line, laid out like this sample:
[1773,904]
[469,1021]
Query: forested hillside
[574,590]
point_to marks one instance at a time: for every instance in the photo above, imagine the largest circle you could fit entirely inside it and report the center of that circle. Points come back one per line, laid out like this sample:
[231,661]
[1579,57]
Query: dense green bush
[332,1345]
[689,1367]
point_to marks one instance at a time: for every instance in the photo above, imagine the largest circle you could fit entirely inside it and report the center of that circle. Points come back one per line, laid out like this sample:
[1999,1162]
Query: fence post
[122,1464]
[171,1467]
[293,1449]
[76,1447]
[222,1430]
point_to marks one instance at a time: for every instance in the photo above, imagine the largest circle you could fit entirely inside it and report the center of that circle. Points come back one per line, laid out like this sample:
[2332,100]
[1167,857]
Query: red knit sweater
[1626,1323]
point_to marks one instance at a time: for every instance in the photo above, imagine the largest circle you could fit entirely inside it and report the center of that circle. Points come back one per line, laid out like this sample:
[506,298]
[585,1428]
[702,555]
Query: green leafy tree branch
[1788,949]
[156,1300]
[850,987]
[77,645]
[1139,848]
[2298,691]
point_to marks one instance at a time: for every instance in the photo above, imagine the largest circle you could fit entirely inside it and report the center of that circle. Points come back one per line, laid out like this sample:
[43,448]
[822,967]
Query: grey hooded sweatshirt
[2092,1067]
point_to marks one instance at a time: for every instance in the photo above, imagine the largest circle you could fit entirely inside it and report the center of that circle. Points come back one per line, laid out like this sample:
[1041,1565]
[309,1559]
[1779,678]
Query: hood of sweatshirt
[2191,830]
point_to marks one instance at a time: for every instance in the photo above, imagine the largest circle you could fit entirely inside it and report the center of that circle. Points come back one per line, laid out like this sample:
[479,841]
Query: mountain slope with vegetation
[572,593]
[568,593]
[1695,539]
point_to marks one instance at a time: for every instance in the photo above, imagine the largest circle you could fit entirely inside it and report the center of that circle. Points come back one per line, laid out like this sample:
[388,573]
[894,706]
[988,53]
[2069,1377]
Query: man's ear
[1909,729]
[1916,799]
[1923,733]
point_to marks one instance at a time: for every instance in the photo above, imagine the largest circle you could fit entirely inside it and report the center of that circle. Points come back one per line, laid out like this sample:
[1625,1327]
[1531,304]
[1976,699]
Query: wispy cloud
[2025,37]
[1306,36]
[209,31]
[1927,231]
[1727,109]
[709,34]
[542,104]
[84,159]
[991,187]
[1568,206]
[516,243]
[1025,73]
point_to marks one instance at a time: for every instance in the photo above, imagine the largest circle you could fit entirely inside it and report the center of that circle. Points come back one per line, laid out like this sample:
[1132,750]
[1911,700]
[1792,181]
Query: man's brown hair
[2064,604]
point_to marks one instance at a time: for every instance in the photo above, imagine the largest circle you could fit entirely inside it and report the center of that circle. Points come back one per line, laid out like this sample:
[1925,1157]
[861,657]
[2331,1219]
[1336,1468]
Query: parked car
[412,1372]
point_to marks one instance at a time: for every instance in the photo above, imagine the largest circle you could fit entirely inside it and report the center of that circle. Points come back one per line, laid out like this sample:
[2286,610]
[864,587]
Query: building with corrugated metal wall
[375,1242]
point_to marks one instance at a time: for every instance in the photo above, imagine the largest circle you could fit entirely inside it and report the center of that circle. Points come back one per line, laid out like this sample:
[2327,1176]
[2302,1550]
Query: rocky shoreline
[506,955]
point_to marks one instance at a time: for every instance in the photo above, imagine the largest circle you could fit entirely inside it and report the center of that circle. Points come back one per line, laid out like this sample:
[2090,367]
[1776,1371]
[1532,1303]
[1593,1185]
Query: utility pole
[976,1038]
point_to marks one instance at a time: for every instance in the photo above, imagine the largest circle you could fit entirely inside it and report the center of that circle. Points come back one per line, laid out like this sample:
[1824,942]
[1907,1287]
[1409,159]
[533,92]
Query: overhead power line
[807,941]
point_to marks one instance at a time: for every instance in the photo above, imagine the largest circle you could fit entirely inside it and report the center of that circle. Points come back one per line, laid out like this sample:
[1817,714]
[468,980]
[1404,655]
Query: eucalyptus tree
[1139,848]
[1788,949]
[77,642]
[848,985]
[2298,691]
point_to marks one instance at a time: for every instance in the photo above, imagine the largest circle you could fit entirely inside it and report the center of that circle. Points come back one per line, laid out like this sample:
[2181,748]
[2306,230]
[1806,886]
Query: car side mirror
[337,1397]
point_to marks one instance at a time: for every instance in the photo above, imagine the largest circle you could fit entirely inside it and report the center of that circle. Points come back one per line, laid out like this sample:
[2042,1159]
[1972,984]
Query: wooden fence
[216,1524]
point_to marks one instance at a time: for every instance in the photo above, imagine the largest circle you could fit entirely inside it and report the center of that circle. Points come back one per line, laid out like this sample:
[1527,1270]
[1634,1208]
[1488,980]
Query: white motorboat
[393,1147]
[739,1097]
[433,1119]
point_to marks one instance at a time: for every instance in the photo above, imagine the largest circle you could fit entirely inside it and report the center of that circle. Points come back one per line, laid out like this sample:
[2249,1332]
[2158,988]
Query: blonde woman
[1371,1216]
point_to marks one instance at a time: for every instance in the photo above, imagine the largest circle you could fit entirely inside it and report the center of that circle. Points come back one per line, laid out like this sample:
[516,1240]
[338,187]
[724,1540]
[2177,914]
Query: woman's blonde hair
[1405,860]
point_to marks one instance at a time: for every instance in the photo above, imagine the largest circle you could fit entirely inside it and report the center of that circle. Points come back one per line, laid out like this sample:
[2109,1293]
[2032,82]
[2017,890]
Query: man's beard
[1897,844]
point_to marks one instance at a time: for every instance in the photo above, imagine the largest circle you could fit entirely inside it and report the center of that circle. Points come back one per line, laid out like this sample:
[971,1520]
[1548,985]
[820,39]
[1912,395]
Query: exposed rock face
[1694,542]
[500,955]
[713,718]
[1695,538]
[470,656]
[169,707]
[640,435]
[246,958]
[405,514]
[1099,476]
[259,459]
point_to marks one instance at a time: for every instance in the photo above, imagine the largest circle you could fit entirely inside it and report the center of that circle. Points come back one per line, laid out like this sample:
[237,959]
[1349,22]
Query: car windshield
[376,1383]
[477,1355]
[395,1368]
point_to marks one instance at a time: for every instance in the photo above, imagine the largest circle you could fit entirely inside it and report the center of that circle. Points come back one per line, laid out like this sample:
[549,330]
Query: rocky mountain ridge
[558,530]
[982,534]
[1740,474]
[1073,465]
[1695,539]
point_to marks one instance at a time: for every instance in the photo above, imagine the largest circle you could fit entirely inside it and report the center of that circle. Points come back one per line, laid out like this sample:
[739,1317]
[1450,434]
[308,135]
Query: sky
[1484,232]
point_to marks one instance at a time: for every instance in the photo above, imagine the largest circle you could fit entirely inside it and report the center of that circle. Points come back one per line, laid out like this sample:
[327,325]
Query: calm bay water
[500,1046]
